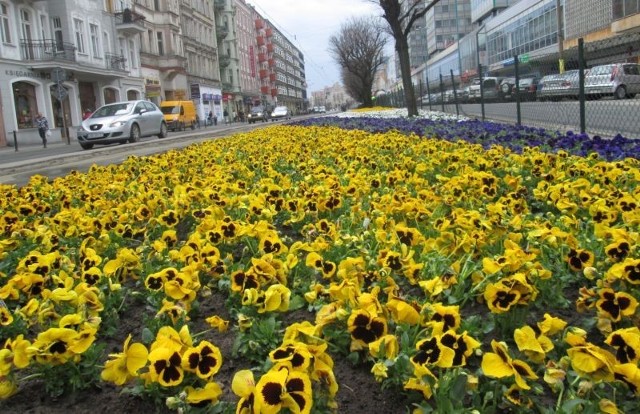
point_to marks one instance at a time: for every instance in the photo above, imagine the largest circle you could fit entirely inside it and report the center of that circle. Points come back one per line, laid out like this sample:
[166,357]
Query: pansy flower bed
[459,268]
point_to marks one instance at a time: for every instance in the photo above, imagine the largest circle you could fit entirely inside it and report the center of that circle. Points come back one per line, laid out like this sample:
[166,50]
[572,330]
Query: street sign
[523,58]
[59,75]
[61,93]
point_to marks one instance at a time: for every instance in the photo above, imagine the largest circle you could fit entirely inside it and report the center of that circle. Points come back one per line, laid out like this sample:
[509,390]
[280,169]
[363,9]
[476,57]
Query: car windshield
[170,110]
[115,109]
[256,109]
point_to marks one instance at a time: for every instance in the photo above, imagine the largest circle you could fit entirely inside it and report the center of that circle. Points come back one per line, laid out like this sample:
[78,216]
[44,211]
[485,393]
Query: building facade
[164,64]
[60,58]
[228,57]
[247,54]
[281,68]
[197,22]
[610,29]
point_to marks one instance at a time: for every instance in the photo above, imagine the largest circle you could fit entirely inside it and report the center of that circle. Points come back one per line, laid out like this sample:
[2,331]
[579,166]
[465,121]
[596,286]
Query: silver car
[620,80]
[122,122]
[280,112]
[559,85]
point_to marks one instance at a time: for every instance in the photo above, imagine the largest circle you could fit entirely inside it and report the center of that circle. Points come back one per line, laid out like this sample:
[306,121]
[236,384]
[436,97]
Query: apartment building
[62,57]
[281,68]
[247,47]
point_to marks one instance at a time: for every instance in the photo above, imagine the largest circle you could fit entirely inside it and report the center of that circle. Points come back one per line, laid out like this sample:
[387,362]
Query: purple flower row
[489,134]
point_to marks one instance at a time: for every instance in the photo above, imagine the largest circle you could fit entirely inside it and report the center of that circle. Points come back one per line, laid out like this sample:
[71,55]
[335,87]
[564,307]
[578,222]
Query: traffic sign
[61,93]
[524,58]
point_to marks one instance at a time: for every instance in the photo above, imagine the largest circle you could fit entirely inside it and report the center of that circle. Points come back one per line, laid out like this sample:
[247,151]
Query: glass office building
[522,29]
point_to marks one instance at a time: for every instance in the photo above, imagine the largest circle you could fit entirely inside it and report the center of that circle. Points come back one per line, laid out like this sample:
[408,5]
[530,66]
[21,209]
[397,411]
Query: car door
[140,118]
[155,118]
[632,75]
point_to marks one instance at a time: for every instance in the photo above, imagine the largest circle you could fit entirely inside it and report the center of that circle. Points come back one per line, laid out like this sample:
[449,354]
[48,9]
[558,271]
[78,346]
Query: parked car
[258,113]
[507,88]
[122,122]
[280,112]
[451,97]
[528,88]
[559,85]
[528,85]
[490,90]
[620,80]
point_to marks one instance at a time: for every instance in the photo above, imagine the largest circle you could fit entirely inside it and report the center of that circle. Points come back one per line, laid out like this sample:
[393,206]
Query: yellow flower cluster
[417,255]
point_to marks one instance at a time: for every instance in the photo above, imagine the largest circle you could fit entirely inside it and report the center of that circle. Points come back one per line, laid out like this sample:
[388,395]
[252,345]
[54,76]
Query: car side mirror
[142,111]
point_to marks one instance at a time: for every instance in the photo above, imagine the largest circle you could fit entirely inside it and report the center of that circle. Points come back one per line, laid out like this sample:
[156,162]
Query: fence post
[441,92]
[455,94]
[481,90]
[15,140]
[581,66]
[517,86]
[429,93]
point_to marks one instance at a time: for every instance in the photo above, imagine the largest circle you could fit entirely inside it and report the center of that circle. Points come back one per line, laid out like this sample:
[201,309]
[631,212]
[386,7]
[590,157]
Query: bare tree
[401,16]
[358,49]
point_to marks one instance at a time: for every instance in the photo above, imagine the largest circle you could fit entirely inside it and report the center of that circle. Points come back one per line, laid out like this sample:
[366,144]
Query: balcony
[262,57]
[47,50]
[115,62]
[264,90]
[269,32]
[272,62]
[270,47]
[272,77]
[259,24]
[222,31]
[260,40]
[264,73]
[129,23]
[224,60]
[274,92]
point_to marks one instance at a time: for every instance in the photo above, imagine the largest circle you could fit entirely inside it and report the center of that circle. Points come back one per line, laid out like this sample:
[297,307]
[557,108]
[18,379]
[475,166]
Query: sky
[309,24]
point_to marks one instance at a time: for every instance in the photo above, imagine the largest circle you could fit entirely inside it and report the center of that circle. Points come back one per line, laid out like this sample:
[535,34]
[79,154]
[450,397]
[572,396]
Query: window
[4,23]
[95,40]
[132,54]
[57,34]
[156,5]
[160,44]
[78,26]
[26,104]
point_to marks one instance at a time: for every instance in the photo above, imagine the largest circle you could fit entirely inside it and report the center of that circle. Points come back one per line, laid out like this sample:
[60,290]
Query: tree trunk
[402,47]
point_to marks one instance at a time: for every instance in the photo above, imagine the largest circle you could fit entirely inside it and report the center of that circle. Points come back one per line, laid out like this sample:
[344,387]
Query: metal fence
[592,94]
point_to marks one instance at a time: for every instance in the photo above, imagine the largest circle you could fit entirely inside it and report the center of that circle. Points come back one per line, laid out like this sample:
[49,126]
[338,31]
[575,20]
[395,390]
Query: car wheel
[163,131]
[135,133]
[86,146]
[620,93]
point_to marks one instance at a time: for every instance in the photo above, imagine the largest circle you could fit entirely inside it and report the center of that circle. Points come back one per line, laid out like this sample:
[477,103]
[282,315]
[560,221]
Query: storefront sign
[195,91]
[25,74]
[252,62]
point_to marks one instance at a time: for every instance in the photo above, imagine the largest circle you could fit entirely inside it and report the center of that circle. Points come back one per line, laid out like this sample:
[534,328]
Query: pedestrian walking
[43,128]
[210,118]
[226,116]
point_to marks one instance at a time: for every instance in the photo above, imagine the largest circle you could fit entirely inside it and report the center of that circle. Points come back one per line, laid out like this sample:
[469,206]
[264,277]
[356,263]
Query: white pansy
[402,113]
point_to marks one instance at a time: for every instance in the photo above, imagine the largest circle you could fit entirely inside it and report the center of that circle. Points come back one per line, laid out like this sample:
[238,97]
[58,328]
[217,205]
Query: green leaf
[458,388]
[571,405]
[297,302]
[147,336]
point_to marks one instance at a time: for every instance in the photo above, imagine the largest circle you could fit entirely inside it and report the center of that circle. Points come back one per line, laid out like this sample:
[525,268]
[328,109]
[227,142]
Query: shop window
[60,109]
[26,105]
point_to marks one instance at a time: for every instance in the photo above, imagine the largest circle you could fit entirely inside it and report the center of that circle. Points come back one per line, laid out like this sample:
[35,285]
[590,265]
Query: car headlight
[117,124]
[81,129]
